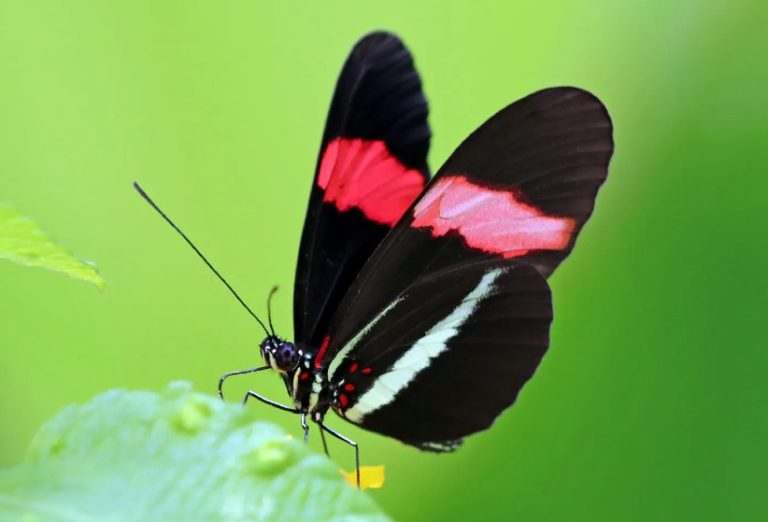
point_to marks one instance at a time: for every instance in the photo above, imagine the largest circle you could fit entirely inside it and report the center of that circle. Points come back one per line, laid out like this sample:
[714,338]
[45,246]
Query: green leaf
[176,456]
[22,241]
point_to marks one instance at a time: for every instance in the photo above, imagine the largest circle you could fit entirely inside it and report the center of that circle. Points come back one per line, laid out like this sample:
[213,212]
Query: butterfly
[421,306]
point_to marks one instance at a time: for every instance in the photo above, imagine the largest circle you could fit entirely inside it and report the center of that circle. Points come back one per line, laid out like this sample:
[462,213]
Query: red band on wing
[362,174]
[495,221]
[321,353]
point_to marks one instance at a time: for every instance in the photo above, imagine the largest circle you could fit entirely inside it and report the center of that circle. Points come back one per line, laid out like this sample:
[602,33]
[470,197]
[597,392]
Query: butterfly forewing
[448,355]
[372,166]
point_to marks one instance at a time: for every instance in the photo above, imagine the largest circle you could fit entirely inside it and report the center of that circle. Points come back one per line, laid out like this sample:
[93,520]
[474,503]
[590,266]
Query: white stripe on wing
[417,357]
[336,361]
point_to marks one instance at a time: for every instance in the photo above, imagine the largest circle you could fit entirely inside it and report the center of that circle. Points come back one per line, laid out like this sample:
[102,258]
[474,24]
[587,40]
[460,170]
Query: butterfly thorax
[307,384]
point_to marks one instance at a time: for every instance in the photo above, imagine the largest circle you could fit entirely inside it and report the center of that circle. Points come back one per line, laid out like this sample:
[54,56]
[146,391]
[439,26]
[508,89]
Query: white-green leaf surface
[23,242]
[175,456]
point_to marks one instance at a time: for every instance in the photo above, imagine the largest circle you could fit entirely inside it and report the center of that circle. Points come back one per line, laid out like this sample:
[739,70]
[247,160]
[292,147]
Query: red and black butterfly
[421,306]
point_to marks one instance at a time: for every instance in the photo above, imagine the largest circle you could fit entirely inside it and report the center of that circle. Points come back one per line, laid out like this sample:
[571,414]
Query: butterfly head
[281,355]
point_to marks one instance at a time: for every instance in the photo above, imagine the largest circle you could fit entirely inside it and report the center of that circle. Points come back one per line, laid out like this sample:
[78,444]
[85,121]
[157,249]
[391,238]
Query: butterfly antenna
[200,254]
[269,308]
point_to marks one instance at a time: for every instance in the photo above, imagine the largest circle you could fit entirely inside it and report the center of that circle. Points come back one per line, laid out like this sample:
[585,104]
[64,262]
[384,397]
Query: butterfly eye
[285,356]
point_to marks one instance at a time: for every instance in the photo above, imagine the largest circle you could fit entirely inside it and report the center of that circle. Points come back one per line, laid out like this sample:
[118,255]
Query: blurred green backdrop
[651,404]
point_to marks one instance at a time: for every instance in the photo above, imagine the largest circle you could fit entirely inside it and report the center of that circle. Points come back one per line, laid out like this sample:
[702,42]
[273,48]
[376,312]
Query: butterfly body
[305,379]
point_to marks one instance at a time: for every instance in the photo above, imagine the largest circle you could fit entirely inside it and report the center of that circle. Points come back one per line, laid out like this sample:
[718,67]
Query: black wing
[520,187]
[372,166]
[517,191]
[448,355]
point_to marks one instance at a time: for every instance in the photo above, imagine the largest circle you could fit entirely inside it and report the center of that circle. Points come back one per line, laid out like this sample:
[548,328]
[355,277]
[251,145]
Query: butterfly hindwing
[448,355]
[372,166]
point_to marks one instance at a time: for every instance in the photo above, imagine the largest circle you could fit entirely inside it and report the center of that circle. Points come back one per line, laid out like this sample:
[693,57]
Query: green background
[652,402]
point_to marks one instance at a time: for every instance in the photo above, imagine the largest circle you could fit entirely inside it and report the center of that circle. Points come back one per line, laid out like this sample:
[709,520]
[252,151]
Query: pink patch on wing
[494,221]
[362,174]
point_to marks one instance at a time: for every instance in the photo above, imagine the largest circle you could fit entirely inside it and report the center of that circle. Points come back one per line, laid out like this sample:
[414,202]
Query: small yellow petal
[371,477]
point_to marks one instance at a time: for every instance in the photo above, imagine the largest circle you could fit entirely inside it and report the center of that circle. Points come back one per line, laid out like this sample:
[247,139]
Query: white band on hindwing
[336,361]
[386,387]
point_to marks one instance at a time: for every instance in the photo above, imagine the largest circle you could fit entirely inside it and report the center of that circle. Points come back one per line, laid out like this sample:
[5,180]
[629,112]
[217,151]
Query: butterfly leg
[268,401]
[325,444]
[238,372]
[351,443]
[305,427]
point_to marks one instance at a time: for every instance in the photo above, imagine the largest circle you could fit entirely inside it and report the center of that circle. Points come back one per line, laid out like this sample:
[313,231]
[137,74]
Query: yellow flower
[371,477]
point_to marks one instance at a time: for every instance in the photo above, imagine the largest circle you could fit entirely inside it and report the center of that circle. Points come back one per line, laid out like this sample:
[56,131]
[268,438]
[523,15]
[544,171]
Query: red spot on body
[321,353]
[494,221]
[349,387]
[303,376]
[366,371]
[353,368]
[362,174]
[343,400]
